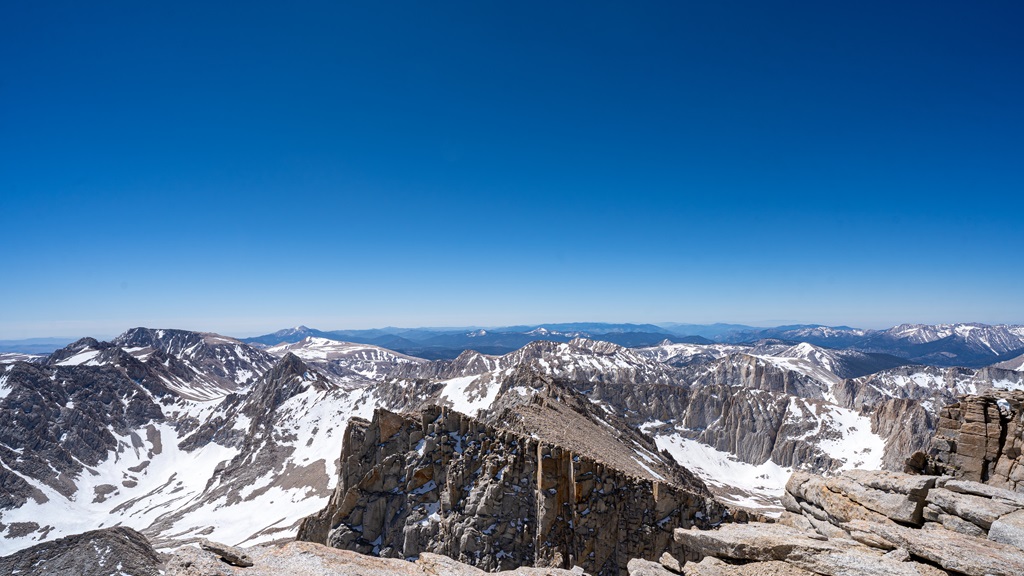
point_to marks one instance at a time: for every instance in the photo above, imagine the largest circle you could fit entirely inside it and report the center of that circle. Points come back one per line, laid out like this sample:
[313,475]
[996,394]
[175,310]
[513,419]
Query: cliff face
[445,483]
[980,438]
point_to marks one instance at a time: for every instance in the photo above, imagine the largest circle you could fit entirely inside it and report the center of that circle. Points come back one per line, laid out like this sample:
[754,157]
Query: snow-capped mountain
[820,335]
[347,363]
[217,358]
[683,354]
[806,358]
[998,339]
[448,343]
[287,336]
[195,365]
[972,345]
[95,434]
[179,433]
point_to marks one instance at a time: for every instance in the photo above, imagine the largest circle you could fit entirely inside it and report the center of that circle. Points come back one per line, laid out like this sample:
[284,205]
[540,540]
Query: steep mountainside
[96,434]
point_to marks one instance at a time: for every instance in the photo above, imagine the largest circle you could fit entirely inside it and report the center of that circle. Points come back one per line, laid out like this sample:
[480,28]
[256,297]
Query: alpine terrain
[565,451]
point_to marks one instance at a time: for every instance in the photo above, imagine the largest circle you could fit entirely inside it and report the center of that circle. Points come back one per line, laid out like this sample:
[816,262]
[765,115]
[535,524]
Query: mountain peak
[290,364]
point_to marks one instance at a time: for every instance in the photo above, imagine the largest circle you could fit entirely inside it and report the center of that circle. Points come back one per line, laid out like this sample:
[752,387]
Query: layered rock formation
[981,439]
[442,482]
[882,523]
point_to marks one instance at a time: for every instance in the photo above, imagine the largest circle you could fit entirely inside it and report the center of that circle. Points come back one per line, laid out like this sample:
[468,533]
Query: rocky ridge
[441,482]
[109,552]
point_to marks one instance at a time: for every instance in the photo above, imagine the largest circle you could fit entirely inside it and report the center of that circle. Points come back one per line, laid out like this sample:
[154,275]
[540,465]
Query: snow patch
[80,358]
[1008,384]
[717,468]
[469,402]
[857,446]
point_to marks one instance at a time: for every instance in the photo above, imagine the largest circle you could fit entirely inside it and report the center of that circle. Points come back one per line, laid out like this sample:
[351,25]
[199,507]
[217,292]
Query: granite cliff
[442,482]
[979,438]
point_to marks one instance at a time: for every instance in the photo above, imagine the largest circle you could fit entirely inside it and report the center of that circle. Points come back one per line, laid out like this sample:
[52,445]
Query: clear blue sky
[242,167]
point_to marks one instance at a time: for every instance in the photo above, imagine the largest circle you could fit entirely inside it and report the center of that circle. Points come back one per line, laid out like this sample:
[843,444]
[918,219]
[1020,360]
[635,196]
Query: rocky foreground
[857,523]
[438,481]
[125,552]
[875,523]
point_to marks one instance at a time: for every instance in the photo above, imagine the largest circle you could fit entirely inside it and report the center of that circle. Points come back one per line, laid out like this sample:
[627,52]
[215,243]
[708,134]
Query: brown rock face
[441,482]
[980,438]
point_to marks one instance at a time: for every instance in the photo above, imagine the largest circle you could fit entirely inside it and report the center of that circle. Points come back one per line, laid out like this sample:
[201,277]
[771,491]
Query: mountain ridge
[189,428]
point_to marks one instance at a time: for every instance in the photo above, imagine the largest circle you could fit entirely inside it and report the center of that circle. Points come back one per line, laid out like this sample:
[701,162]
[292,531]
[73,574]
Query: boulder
[230,554]
[639,567]
[979,489]
[774,542]
[954,551]
[671,563]
[1009,529]
[978,510]
[310,559]
[711,566]
[898,506]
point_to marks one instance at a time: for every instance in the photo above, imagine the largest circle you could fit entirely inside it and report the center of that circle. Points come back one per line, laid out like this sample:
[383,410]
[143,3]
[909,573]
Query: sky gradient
[210,166]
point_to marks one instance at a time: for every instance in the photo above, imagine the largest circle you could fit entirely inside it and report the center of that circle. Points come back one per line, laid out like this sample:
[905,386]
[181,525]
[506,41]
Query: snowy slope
[732,481]
[347,363]
[686,354]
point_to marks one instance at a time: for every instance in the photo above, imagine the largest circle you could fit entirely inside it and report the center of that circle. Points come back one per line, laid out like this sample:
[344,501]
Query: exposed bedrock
[980,439]
[874,522]
[442,482]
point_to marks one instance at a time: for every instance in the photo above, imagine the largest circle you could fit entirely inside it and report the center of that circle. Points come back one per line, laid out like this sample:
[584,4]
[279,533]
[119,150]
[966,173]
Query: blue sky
[240,169]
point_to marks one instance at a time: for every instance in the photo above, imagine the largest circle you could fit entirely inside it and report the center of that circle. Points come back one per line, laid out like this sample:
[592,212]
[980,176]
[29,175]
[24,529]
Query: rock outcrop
[883,523]
[880,523]
[442,482]
[125,552]
[310,559]
[980,439]
[97,553]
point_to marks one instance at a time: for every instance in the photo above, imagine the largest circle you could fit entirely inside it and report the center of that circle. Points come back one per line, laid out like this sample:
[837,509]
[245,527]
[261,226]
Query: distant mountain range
[971,345]
[448,343]
[33,345]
